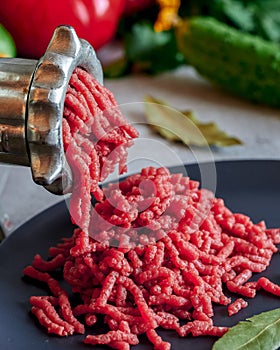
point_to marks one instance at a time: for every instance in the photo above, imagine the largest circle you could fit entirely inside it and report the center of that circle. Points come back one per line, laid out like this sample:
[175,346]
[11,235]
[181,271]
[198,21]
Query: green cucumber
[241,63]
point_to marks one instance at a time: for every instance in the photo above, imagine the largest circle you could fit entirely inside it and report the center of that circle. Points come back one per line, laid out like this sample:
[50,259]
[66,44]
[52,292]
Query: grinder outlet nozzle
[32,95]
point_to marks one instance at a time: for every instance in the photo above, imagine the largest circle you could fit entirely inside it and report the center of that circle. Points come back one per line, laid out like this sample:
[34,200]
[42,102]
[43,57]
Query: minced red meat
[154,251]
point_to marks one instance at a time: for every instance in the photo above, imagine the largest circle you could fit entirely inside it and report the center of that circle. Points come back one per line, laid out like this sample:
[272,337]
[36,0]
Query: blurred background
[219,60]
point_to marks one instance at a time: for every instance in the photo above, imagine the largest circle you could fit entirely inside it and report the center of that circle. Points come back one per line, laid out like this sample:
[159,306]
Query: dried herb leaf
[184,126]
[258,332]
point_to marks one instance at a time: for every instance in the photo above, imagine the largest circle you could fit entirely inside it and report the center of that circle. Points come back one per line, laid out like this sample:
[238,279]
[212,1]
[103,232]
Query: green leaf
[240,15]
[267,20]
[7,45]
[151,51]
[184,126]
[258,332]
[270,28]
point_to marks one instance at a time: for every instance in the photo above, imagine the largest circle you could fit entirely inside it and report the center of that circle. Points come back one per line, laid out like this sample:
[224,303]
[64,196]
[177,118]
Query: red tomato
[32,22]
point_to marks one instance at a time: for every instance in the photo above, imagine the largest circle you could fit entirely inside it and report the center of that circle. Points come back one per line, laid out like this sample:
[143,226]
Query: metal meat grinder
[32,97]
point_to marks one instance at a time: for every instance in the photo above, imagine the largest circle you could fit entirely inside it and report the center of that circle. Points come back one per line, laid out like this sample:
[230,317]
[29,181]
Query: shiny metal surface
[32,98]
[15,79]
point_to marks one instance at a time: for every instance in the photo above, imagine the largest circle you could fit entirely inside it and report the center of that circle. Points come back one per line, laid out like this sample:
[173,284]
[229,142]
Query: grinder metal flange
[32,95]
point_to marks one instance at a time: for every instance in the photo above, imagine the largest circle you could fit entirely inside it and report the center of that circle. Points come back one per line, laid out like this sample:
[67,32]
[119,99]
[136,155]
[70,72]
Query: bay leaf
[174,125]
[261,332]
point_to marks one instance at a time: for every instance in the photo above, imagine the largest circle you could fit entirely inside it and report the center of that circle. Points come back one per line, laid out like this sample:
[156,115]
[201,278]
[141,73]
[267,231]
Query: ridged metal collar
[45,106]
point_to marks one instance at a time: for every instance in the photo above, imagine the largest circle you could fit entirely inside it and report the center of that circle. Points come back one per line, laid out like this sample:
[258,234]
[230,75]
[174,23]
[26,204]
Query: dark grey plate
[251,187]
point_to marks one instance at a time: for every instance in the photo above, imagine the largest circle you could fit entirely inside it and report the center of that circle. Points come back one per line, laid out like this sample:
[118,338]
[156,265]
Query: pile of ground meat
[155,251]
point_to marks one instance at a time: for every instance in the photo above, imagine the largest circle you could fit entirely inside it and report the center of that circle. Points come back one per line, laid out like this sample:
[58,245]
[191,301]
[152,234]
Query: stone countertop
[257,126]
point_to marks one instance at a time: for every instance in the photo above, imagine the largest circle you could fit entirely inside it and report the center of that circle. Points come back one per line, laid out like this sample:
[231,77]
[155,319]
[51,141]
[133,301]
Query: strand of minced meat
[96,137]
[154,251]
